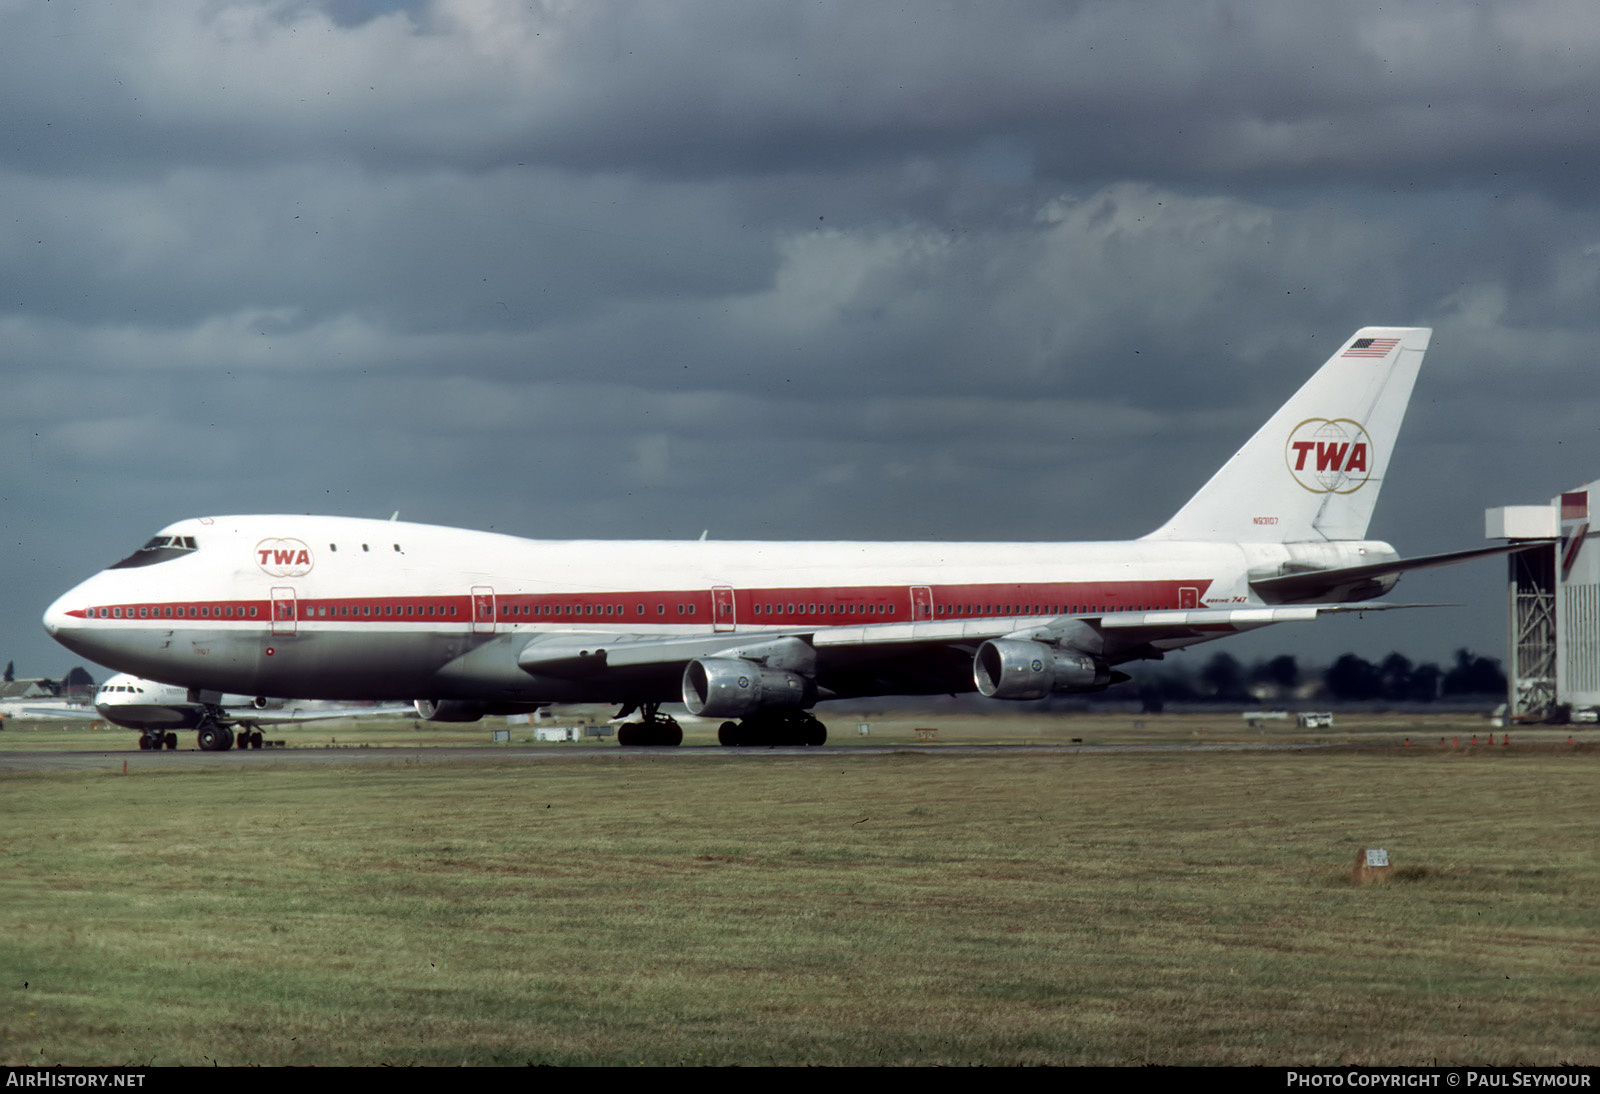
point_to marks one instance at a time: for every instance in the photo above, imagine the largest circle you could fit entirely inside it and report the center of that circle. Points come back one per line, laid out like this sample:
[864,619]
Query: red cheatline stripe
[786,606]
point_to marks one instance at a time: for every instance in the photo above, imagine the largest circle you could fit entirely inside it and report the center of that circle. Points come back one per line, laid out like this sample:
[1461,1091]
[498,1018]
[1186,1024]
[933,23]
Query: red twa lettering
[1330,455]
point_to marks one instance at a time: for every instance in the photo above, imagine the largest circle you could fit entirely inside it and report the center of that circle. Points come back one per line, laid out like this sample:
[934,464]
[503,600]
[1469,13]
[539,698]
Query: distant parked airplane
[755,632]
[158,710]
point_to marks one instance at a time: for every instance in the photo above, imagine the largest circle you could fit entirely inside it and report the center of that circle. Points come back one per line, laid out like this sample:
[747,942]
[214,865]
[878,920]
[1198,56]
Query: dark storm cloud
[1174,90]
[968,271]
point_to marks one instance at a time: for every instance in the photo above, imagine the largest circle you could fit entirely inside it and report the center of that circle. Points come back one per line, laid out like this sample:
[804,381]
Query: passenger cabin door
[921,603]
[482,609]
[283,610]
[722,617]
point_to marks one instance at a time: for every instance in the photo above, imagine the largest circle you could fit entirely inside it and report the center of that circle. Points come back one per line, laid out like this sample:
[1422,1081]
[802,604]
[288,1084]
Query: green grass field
[1173,908]
[1221,726]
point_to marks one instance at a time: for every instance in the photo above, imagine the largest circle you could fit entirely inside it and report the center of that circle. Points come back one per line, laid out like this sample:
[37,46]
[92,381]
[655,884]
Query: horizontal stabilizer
[1315,583]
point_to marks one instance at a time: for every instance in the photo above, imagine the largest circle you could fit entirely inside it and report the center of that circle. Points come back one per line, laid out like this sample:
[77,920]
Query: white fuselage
[344,608]
[136,703]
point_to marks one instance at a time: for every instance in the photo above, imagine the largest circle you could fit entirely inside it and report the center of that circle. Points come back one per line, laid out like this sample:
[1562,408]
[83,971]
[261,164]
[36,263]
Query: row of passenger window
[1039,609]
[182,611]
[358,611]
[567,610]
[825,609]
[286,611]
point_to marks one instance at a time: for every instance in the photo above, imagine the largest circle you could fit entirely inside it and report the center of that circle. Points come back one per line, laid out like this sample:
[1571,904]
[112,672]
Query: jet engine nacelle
[449,710]
[1014,668]
[730,687]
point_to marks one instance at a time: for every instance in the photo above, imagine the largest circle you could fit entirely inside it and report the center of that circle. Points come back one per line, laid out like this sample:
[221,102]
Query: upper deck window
[158,549]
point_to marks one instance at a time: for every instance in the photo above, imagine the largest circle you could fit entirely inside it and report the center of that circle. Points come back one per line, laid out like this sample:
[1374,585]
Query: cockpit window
[159,549]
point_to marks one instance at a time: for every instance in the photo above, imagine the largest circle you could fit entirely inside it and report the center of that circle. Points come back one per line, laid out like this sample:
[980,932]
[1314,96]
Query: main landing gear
[774,727]
[217,736]
[654,728]
[152,740]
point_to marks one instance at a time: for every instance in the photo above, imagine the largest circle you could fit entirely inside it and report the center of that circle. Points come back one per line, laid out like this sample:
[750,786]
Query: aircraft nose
[56,617]
[65,620]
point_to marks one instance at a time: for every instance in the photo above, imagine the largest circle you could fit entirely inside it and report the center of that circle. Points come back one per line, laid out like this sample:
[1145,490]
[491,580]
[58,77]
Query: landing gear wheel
[171,741]
[773,728]
[813,732]
[215,738]
[657,729]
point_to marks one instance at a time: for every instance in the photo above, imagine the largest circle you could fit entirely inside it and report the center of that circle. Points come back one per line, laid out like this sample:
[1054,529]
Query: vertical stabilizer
[1313,472]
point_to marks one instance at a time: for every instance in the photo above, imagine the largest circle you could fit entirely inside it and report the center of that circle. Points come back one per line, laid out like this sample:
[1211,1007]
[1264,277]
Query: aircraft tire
[171,741]
[658,734]
[728,735]
[214,738]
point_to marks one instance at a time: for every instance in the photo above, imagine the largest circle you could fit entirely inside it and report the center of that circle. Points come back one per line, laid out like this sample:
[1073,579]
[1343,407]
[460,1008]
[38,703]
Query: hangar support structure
[1554,608]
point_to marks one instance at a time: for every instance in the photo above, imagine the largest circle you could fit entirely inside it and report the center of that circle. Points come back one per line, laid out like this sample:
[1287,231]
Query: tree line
[1351,678]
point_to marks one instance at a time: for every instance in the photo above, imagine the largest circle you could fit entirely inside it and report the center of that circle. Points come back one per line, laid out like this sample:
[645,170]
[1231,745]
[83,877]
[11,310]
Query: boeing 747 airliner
[758,633]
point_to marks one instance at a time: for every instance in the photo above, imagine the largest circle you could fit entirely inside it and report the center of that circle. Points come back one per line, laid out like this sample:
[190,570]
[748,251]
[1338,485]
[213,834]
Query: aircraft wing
[585,655]
[1210,618]
[923,657]
[288,715]
[24,711]
[577,656]
[926,658]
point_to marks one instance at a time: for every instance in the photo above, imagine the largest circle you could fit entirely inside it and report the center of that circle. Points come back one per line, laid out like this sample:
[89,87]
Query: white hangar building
[1554,590]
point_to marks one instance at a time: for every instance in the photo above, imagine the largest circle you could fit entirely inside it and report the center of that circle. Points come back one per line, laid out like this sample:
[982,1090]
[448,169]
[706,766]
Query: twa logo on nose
[1329,456]
[284,557]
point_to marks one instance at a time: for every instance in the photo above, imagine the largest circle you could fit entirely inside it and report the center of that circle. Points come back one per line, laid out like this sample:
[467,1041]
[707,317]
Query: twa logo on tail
[284,557]
[1329,456]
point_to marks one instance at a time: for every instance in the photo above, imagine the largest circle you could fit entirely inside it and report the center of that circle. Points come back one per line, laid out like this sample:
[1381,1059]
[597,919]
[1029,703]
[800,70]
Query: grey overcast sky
[781,271]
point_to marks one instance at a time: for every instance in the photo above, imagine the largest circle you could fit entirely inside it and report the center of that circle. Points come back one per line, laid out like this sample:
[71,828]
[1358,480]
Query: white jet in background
[158,710]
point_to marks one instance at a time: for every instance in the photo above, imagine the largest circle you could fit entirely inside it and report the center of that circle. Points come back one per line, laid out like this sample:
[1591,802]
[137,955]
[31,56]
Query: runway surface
[194,759]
